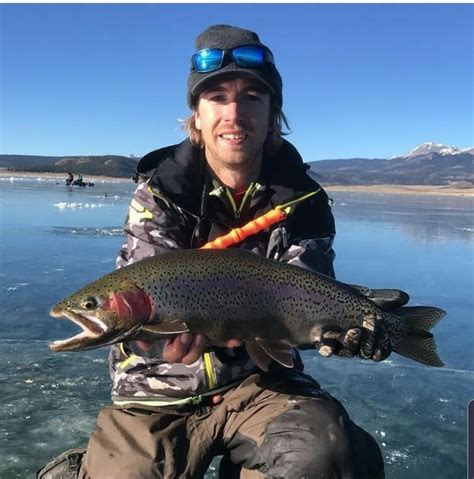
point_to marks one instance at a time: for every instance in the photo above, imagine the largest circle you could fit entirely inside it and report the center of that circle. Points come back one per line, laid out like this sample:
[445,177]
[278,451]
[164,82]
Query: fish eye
[89,302]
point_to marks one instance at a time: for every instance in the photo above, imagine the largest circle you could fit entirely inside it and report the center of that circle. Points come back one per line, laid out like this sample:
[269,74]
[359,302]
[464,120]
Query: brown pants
[264,432]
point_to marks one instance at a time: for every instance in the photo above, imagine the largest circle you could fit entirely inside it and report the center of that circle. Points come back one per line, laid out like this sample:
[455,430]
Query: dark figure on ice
[69,179]
[176,403]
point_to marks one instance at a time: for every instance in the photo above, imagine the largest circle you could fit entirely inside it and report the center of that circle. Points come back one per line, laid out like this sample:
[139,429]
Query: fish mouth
[92,329]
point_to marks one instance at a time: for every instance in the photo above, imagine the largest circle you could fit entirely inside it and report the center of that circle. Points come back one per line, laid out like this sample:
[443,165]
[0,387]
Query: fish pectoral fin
[166,328]
[280,350]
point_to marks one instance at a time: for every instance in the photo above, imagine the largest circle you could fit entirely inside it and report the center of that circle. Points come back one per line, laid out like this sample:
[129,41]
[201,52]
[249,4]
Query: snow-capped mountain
[430,147]
[427,164]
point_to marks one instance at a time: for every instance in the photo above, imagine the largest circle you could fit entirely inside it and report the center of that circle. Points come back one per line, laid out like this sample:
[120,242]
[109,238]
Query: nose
[233,111]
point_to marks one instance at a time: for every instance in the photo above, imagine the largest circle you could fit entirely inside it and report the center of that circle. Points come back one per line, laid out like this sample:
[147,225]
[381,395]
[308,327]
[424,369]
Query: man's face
[234,117]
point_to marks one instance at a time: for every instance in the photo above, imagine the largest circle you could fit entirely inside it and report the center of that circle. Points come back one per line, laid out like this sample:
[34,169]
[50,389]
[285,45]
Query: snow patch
[431,147]
[64,205]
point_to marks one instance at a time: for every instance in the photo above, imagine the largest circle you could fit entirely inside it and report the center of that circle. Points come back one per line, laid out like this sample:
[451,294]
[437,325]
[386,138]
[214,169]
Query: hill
[427,164]
[107,165]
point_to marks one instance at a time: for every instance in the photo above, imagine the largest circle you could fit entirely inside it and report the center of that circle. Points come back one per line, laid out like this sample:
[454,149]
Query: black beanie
[227,37]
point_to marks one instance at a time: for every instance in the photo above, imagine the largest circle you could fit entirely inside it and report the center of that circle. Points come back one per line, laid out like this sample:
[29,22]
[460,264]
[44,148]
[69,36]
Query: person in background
[69,179]
[176,403]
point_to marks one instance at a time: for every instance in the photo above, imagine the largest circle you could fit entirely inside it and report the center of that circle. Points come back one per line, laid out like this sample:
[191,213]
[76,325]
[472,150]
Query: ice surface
[419,244]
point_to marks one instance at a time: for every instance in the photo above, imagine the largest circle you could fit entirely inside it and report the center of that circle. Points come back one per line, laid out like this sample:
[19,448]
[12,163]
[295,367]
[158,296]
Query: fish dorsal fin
[385,299]
[166,328]
[258,355]
[280,350]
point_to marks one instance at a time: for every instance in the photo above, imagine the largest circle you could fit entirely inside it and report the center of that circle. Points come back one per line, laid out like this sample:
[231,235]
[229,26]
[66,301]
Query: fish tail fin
[420,317]
[419,343]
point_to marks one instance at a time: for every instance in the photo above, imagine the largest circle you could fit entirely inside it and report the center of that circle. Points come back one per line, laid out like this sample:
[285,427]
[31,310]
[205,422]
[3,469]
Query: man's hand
[186,347]
[369,342]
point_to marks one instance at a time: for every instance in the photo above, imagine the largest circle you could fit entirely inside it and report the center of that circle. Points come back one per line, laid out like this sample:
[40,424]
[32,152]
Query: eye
[253,97]
[219,98]
[89,302]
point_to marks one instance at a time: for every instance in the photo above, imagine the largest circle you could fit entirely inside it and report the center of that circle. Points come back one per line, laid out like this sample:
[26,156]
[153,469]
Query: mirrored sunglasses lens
[208,60]
[248,56]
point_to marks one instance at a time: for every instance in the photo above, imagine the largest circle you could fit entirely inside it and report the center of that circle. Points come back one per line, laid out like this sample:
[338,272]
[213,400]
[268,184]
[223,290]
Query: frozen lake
[55,239]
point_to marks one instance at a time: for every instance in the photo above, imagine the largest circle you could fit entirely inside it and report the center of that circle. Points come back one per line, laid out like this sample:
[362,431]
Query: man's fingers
[367,337]
[232,343]
[187,348]
[328,346]
[195,349]
[371,341]
[375,340]
[352,338]
[176,348]
[144,345]
[369,322]
[383,346]
[351,343]
[337,335]
[326,351]
[331,343]
[377,356]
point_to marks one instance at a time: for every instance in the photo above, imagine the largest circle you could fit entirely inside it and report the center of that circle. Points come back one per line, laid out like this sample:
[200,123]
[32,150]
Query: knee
[301,451]
[316,439]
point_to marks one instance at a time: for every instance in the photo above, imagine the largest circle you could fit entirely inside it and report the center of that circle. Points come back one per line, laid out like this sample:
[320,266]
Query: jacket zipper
[238,211]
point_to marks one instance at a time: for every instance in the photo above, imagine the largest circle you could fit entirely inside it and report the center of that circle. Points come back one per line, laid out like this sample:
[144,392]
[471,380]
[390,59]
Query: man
[179,403]
[69,179]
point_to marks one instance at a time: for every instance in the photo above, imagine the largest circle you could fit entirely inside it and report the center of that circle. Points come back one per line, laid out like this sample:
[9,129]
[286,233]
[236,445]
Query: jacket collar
[181,176]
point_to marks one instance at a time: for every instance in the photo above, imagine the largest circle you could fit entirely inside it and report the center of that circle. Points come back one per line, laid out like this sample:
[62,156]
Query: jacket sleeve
[153,226]
[311,236]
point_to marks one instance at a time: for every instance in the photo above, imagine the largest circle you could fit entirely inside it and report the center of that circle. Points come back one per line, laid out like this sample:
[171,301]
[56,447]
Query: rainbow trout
[234,294]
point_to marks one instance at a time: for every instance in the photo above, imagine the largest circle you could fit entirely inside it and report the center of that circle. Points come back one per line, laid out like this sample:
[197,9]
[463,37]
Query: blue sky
[360,80]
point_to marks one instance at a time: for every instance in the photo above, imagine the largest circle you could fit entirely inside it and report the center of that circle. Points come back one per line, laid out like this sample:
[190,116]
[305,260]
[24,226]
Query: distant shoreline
[60,176]
[434,190]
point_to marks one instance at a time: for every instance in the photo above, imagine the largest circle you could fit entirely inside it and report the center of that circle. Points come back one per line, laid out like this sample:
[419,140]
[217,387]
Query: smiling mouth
[234,136]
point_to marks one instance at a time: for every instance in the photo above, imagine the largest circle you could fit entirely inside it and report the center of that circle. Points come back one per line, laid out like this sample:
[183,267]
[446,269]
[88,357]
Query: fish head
[107,311]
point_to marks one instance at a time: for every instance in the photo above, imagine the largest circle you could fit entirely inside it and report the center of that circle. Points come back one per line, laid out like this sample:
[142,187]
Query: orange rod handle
[253,227]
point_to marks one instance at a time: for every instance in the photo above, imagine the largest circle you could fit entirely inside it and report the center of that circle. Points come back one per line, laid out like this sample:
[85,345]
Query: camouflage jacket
[178,205]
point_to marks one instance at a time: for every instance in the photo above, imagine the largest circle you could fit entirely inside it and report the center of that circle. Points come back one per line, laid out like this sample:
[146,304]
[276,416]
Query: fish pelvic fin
[258,355]
[419,343]
[263,351]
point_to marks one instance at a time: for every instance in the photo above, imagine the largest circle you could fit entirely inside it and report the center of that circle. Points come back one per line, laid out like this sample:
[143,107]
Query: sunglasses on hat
[245,56]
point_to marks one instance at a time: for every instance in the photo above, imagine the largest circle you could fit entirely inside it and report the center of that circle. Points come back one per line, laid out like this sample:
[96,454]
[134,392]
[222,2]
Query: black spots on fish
[228,280]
